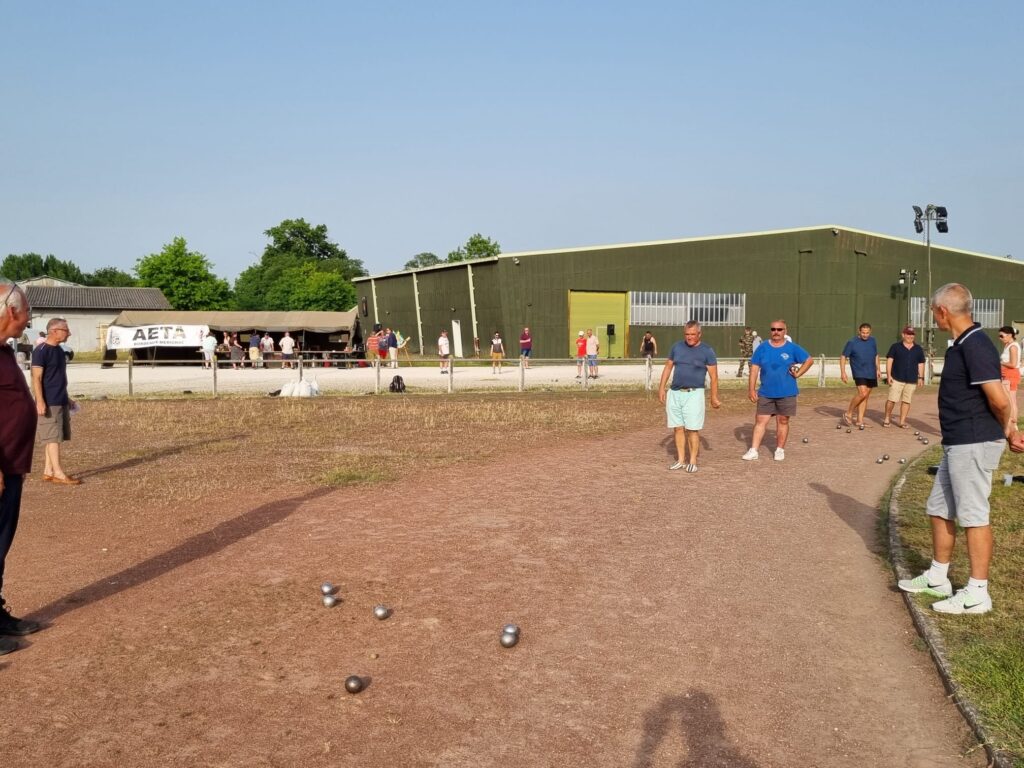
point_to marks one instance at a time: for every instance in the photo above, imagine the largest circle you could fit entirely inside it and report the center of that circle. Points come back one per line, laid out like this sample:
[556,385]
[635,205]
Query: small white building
[88,310]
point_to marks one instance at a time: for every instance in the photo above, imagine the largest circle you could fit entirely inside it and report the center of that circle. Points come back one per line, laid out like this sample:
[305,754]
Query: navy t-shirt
[905,362]
[690,364]
[54,362]
[964,415]
[862,353]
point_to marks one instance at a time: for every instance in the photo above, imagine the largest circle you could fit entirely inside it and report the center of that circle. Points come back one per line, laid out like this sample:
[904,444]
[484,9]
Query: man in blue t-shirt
[53,406]
[862,352]
[779,363]
[689,363]
[974,415]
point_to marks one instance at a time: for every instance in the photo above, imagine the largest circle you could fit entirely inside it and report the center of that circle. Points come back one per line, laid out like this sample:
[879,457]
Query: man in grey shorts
[50,387]
[974,415]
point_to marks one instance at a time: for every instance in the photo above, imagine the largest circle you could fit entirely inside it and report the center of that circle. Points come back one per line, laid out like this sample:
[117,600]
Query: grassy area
[986,653]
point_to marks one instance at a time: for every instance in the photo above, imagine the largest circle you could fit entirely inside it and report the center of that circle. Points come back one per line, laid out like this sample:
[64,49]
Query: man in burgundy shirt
[17,436]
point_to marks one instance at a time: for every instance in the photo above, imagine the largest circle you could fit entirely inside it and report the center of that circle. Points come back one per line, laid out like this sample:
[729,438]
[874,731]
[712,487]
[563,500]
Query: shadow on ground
[696,717]
[194,548]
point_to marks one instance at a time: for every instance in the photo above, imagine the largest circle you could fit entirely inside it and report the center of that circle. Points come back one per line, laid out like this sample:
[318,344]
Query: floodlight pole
[936,213]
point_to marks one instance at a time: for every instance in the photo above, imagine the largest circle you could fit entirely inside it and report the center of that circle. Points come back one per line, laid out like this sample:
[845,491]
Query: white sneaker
[677,465]
[964,601]
[780,454]
[750,455]
[921,585]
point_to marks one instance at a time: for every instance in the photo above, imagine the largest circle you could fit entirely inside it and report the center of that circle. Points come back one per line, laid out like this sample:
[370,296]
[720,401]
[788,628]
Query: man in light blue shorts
[690,362]
[974,415]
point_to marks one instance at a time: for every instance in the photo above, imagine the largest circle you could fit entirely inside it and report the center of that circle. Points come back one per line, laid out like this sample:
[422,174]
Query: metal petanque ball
[917,434]
[839,426]
[861,427]
[330,601]
[886,457]
[381,612]
[903,461]
[327,588]
[879,460]
[510,629]
[353,683]
[848,430]
[508,639]
[805,440]
[925,441]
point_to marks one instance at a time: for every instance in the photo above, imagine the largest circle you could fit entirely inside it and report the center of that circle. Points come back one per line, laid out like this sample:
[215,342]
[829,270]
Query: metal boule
[510,629]
[354,684]
[886,457]
[805,440]
[327,588]
[381,611]
[508,639]
[330,601]
[879,460]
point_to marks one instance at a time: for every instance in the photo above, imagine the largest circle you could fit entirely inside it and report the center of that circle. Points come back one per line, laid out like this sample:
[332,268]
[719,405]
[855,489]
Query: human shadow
[669,444]
[861,517]
[155,455]
[697,717]
[194,548]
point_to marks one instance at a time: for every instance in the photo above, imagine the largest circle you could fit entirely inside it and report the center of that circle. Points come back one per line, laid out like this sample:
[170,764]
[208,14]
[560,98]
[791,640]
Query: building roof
[315,322]
[834,227]
[83,297]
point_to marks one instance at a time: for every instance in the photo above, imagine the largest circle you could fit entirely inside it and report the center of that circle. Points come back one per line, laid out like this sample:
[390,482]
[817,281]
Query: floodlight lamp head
[941,226]
[918,226]
[917,211]
[940,210]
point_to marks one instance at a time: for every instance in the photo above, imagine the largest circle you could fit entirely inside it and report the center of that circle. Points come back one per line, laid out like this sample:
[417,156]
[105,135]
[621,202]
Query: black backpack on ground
[397,384]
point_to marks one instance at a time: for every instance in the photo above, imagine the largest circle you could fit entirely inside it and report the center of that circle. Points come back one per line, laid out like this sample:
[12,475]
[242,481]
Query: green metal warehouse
[824,281]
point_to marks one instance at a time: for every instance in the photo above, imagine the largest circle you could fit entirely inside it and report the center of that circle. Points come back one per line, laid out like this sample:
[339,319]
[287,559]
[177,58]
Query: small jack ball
[353,683]
[508,639]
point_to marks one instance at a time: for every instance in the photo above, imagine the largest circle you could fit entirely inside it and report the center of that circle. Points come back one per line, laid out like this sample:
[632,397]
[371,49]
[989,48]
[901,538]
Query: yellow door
[599,311]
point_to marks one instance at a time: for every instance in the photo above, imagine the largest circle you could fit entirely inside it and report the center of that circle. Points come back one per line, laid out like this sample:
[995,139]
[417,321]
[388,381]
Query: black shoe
[9,625]
[7,645]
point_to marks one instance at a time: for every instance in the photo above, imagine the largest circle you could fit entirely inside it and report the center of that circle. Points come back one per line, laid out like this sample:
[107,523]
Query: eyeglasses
[776,330]
[7,298]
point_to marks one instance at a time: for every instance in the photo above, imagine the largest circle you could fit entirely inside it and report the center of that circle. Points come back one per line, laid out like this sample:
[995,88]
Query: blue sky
[407,127]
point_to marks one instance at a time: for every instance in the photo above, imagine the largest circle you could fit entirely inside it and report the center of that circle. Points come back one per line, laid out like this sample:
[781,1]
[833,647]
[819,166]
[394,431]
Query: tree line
[301,268]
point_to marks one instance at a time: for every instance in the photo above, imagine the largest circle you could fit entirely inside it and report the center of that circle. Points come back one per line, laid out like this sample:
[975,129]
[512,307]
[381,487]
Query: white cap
[580,333]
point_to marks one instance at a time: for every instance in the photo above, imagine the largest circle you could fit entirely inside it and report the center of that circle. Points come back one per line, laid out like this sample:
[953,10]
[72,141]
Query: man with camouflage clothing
[746,349]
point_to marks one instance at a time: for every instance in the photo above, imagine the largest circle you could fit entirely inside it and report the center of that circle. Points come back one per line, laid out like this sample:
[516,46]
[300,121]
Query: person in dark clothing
[904,364]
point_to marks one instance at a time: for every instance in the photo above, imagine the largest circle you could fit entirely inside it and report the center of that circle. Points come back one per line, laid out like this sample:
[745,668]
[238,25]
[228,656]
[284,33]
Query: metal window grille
[666,308]
[988,312]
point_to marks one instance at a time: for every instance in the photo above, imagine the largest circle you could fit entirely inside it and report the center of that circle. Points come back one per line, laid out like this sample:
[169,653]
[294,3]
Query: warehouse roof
[577,249]
[86,297]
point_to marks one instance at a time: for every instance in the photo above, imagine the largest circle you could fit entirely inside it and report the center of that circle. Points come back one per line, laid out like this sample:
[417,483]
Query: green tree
[306,288]
[293,244]
[26,265]
[111,277]
[425,259]
[185,277]
[476,247]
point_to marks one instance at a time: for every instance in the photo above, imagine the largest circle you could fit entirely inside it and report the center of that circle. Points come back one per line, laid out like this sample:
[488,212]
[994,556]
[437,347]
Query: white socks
[978,586]
[938,573]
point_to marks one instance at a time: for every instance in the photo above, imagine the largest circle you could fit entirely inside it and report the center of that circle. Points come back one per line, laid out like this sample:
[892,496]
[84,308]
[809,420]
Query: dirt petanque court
[741,616]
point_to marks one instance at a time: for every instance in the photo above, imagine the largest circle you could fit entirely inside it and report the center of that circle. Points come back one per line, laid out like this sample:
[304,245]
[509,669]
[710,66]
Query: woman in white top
[1009,366]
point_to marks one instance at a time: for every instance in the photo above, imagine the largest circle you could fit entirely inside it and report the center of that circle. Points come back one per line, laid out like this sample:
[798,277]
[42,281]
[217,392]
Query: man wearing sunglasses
[778,363]
[17,436]
[50,385]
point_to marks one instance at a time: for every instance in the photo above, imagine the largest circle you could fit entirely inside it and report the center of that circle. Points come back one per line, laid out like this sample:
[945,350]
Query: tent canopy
[278,322]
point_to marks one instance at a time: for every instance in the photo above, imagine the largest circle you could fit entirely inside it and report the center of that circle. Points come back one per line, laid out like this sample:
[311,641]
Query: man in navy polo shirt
[862,352]
[689,363]
[974,415]
[904,365]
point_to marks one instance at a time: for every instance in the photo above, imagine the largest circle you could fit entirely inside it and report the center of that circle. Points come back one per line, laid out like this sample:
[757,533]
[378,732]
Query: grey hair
[692,325]
[12,295]
[53,321]
[955,298]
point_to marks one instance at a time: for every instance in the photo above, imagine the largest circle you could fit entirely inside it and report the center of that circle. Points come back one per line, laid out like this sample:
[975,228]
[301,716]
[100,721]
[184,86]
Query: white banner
[141,336]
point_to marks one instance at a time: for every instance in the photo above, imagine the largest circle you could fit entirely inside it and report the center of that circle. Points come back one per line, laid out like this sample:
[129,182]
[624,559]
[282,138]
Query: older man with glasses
[50,385]
[779,363]
[17,435]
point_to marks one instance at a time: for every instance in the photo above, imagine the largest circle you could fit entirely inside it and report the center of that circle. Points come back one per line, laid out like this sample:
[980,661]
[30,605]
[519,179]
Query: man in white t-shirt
[443,351]
[593,347]
[287,350]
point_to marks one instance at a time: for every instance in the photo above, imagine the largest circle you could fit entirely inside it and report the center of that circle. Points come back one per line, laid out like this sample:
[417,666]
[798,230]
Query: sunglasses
[780,330]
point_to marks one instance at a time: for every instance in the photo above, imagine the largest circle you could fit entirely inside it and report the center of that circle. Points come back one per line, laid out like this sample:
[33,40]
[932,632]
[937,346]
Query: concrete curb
[928,631]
